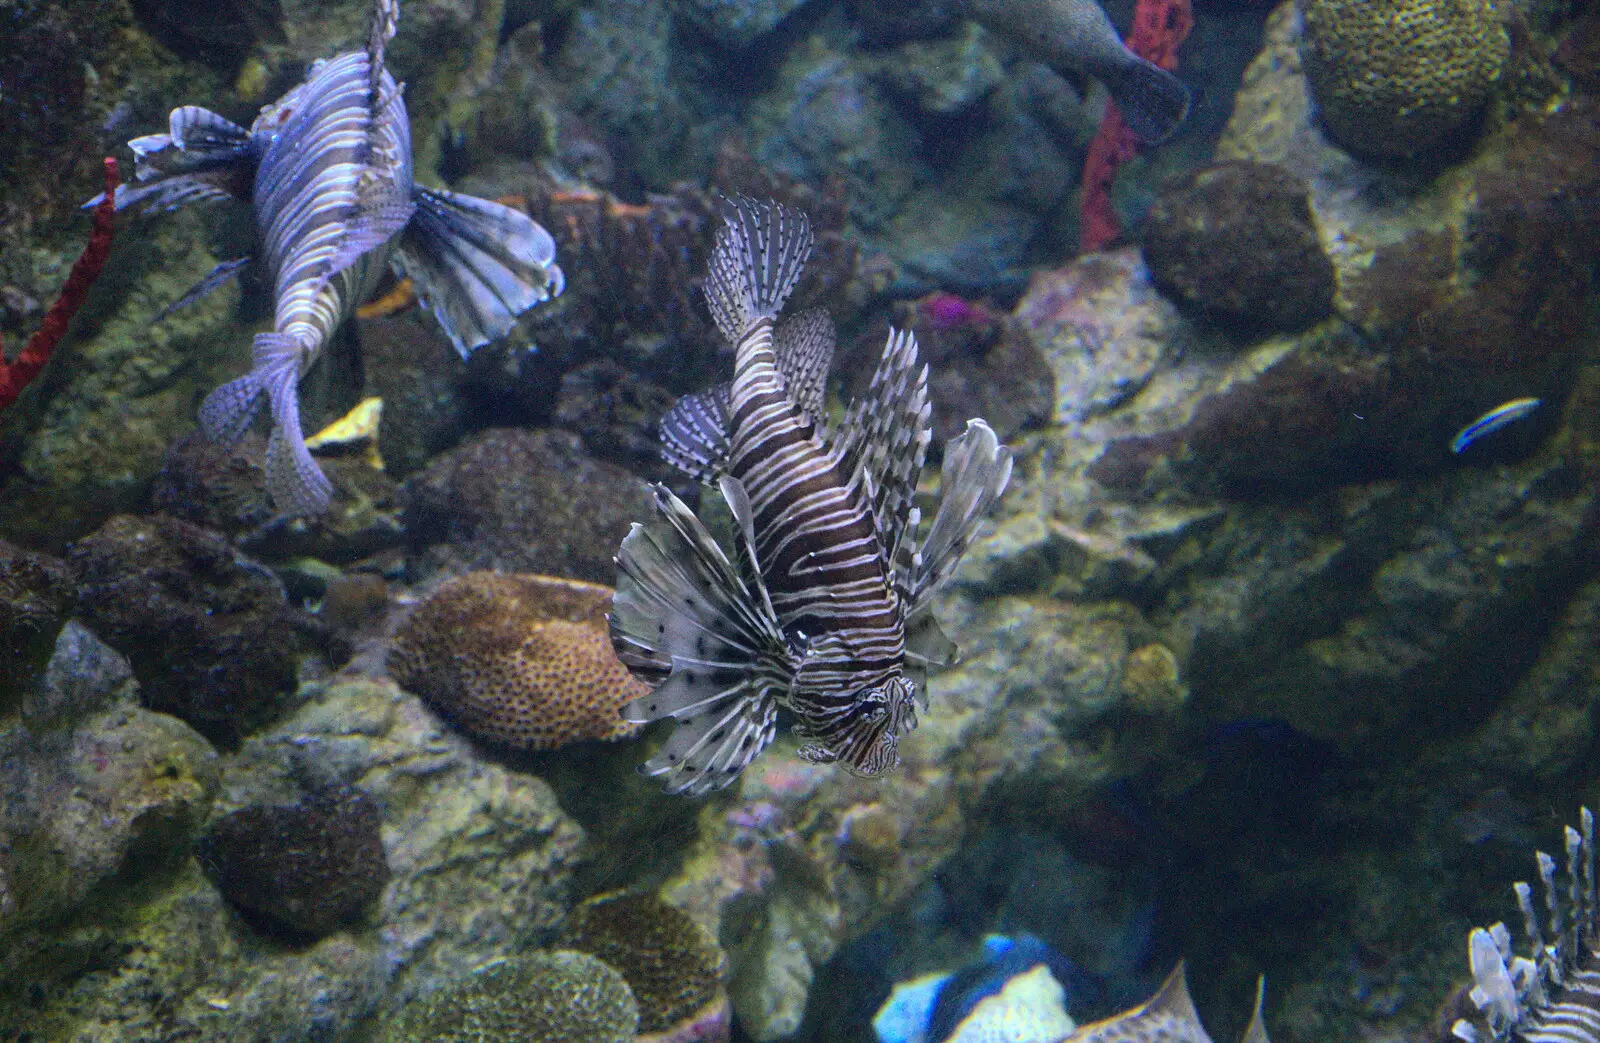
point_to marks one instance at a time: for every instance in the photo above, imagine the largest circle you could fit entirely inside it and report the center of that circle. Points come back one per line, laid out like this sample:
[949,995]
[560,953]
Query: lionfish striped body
[1553,994]
[825,609]
[327,169]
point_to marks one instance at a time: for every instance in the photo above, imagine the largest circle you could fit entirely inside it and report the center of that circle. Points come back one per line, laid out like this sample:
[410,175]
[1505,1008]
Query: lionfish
[1551,995]
[1167,1017]
[327,169]
[825,608]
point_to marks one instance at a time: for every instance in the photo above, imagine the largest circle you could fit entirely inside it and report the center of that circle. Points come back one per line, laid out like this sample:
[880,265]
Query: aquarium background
[1258,673]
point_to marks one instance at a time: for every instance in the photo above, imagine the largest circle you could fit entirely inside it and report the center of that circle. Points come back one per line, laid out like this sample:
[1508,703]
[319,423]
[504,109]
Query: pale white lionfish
[1552,995]
[327,169]
[825,607]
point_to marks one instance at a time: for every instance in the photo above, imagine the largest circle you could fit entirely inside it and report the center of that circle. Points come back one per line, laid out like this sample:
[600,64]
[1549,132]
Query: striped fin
[202,158]
[224,273]
[694,434]
[384,23]
[976,470]
[886,434]
[760,252]
[682,609]
[1554,994]
[803,347]
[476,265]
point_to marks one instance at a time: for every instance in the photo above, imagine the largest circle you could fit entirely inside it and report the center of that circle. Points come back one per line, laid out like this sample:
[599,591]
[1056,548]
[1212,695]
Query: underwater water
[1098,488]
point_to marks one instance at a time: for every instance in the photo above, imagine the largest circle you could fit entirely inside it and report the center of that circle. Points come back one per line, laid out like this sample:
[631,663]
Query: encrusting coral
[542,997]
[521,661]
[672,965]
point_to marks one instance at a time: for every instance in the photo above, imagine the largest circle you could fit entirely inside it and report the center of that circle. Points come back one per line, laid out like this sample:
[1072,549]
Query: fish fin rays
[976,470]
[375,222]
[1256,1030]
[224,273]
[476,265]
[756,263]
[681,606]
[803,347]
[885,435]
[203,157]
[694,433]
[927,647]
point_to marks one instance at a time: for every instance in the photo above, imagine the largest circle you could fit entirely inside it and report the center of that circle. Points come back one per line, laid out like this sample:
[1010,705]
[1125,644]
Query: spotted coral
[542,997]
[1393,78]
[672,965]
[522,661]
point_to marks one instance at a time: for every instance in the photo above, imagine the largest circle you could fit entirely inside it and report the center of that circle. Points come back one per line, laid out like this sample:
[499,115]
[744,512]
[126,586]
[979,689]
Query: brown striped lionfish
[1552,995]
[327,170]
[825,609]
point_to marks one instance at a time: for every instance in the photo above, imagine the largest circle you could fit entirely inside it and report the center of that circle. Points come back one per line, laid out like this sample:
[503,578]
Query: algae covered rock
[305,868]
[35,592]
[542,997]
[1238,242]
[1394,78]
[210,635]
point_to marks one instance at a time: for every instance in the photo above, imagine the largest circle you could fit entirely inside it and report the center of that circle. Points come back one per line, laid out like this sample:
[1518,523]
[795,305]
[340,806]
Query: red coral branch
[16,375]
[1159,28]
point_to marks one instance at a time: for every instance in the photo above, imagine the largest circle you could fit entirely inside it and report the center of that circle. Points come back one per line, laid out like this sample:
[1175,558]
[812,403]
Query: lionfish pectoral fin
[744,520]
[224,273]
[476,265]
[1256,1030]
[803,347]
[694,434]
[976,470]
[760,252]
[682,607]
[202,157]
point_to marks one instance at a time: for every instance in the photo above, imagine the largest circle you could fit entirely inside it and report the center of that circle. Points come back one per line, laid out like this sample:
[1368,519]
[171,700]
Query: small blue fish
[1494,420]
[327,170]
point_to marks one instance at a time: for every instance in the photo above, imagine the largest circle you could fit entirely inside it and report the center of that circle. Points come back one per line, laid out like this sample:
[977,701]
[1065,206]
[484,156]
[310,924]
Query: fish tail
[760,253]
[683,611]
[1152,100]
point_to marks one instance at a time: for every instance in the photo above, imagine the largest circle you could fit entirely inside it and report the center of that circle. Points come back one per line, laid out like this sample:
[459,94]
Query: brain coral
[1393,78]
[542,997]
[672,965]
[522,661]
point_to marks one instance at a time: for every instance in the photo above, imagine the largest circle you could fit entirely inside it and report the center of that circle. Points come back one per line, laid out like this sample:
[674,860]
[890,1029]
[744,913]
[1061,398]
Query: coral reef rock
[673,966]
[1238,241]
[306,868]
[35,592]
[520,661]
[1393,78]
[521,501]
[208,631]
[543,997]
[735,23]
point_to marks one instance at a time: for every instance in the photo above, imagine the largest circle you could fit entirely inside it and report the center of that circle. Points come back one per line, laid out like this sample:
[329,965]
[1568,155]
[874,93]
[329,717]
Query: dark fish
[1076,36]
[825,608]
[327,169]
[1553,994]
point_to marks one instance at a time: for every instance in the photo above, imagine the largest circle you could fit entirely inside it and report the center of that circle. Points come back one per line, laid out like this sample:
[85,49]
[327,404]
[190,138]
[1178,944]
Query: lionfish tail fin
[976,470]
[202,158]
[683,611]
[476,265]
[694,434]
[760,252]
[1550,993]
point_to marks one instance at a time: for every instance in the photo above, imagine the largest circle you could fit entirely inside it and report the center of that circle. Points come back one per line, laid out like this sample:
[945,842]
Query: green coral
[672,965]
[542,997]
[1393,78]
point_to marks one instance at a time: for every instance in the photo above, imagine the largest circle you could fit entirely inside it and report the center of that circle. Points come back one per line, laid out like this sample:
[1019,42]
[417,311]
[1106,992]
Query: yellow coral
[1395,77]
[522,661]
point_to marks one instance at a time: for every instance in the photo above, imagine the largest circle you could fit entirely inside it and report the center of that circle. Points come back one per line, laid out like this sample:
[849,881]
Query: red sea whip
[16,375]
